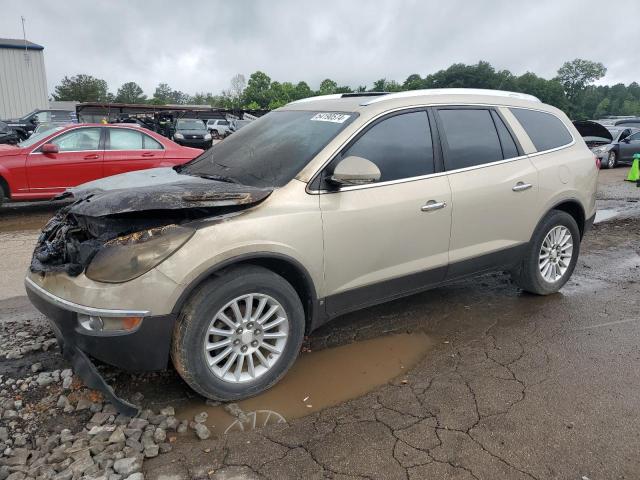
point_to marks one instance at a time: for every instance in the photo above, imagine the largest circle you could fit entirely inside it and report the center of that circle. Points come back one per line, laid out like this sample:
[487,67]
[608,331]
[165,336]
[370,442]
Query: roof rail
[340,95]
[316,98]
[452,91]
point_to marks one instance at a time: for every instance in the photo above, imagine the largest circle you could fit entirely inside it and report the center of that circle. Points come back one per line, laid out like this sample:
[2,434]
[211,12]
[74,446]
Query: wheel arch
[4,185]
[288,268]
[574,208]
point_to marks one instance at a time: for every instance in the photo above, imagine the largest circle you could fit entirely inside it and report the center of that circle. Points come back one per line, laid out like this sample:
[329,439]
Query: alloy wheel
[246,337]
[555,253]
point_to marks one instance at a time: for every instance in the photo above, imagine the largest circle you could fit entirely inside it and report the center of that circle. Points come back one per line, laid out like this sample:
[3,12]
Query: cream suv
[327,205]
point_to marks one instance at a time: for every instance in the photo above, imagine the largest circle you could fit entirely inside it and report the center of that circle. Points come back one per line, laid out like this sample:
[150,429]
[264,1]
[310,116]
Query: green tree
[82,88]
[302,90]
[327,87]
[130,92]
[575,76]
[257,90]
[383,85]
[413,82]
[162,94]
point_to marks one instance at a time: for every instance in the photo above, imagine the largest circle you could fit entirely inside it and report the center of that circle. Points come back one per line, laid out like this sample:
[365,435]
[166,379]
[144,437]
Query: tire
[612,159]
[529,275]
[192,360]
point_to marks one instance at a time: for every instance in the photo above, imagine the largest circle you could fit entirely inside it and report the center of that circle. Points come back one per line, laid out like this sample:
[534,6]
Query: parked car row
[59,157]
[24,126]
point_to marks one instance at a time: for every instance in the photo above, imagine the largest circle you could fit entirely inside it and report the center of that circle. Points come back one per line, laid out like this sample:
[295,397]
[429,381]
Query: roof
[19,44]
[355,102]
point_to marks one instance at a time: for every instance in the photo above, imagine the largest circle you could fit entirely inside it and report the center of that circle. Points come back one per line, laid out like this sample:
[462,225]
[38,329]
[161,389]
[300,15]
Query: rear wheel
[612,159]
[551,256]
[238,334]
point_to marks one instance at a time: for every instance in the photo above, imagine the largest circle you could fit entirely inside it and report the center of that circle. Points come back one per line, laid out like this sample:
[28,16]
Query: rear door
[493,186]
[129,149]
[79,160]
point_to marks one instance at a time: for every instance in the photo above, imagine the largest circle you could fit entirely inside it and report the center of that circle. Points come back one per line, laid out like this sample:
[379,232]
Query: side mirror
[50,148]
[354,170]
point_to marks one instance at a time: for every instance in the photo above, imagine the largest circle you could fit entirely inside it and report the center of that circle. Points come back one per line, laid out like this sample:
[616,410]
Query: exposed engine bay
[138,206]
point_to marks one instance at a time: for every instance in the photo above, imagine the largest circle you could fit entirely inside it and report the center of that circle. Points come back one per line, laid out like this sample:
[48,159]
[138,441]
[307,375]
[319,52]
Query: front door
[389,238]
[630,146]
[79,160]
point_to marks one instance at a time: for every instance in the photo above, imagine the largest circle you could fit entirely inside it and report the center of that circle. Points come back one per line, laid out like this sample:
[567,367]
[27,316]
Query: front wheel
[551,255]
[612,159]
[238,334]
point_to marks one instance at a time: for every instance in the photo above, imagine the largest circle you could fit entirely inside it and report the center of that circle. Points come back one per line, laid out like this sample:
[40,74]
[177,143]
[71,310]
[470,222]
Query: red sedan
[48,163]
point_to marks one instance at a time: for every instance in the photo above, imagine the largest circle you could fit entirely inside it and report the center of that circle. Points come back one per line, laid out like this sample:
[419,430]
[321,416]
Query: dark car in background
[611,144]
[24,126]
[7,135]
[191,132]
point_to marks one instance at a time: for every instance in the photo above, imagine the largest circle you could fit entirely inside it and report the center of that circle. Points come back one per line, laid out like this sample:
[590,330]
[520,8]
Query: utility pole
[24,37]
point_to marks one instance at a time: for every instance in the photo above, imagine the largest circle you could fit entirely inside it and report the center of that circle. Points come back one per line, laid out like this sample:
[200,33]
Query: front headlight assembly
[207,136]
[179,136]
[602,149]
[127,257]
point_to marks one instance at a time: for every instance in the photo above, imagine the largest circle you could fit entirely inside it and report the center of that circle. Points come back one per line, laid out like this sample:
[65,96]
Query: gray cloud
[200,45]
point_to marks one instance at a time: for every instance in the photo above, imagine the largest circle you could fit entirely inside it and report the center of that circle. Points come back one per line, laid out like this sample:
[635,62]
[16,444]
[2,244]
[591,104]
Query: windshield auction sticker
[330,117]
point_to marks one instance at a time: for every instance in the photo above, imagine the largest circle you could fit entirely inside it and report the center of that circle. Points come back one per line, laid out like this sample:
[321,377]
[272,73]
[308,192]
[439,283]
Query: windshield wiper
[213,176]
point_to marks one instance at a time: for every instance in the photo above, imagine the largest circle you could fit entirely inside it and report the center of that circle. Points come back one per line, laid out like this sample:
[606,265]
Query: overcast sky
[199,45]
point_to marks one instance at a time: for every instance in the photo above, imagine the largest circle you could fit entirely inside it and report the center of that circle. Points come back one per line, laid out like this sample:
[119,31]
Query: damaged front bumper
[143,348]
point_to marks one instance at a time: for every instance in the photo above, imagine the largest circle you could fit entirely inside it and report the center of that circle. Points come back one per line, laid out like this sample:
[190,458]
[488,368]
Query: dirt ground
[474,380]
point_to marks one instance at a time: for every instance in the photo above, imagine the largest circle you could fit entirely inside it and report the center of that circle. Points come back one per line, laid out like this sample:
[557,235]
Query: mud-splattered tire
[549,243]
[225,297]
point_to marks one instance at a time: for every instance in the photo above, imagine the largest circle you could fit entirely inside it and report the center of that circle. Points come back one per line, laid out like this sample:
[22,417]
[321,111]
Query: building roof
[19,44]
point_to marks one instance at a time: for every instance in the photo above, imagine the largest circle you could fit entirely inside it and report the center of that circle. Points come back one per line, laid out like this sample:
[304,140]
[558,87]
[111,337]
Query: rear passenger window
[470,137]
[151,143]
[545,130]
[509,149]
[400,146]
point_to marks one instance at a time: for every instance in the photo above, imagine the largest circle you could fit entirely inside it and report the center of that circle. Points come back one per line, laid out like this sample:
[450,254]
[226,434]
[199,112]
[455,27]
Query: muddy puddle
[319,380]
[606,214]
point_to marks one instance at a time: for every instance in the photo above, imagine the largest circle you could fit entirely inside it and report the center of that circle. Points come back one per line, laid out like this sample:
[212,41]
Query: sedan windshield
[270,151]
[190,125]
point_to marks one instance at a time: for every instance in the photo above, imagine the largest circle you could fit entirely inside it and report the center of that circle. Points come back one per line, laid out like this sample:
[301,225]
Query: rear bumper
[145,348]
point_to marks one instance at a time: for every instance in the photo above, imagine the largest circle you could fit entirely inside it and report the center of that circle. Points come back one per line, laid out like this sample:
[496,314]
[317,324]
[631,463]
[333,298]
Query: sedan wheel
[612,160]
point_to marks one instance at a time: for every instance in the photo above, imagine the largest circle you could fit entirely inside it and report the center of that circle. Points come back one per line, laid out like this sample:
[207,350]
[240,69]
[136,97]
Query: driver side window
[635,137]
[400,146]
[78,140]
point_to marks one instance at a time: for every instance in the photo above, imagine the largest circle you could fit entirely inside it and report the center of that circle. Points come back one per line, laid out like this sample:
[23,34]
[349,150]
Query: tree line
[573,89]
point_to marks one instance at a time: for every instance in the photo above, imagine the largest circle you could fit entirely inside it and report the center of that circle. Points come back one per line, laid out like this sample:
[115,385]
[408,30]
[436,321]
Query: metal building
[23,82]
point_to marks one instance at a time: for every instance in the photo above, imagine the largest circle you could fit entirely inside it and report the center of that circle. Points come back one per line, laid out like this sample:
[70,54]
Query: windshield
[188,124]
[36,137]
[270,151]
[26,117]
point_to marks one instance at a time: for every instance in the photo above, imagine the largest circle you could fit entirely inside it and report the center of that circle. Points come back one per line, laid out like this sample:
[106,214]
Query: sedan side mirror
[354,170]
[50,148]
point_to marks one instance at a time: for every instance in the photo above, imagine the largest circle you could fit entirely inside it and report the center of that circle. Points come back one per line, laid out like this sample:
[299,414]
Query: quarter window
[400,146]
[545,130]
[470,137]
[78,140]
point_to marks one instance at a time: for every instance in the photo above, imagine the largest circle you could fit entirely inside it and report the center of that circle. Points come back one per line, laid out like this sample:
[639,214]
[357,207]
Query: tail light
[598,163]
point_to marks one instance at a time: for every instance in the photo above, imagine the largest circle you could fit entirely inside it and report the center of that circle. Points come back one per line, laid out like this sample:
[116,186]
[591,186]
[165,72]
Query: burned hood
[587,128]
[158,189]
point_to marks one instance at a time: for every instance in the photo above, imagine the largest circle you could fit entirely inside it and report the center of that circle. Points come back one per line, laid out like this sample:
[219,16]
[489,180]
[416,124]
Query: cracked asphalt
[516,387]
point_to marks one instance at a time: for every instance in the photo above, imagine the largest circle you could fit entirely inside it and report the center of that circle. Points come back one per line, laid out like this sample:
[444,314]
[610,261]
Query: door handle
[521,186]
[147,154]
[432,205]
[92,156]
